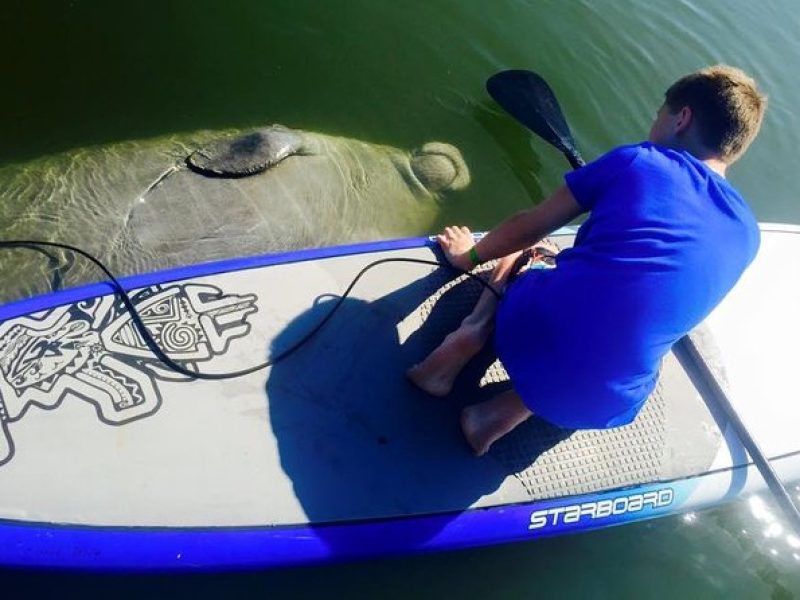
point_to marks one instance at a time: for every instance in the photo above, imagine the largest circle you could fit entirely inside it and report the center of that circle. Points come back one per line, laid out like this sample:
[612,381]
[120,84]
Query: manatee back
[82,197]
[146,205]
[247,154]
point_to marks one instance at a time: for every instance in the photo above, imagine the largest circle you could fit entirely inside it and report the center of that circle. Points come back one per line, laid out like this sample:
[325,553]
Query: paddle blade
[528,98]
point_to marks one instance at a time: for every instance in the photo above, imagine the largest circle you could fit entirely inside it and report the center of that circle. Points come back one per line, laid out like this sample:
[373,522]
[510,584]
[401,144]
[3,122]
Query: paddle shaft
[524,93]
[687,349]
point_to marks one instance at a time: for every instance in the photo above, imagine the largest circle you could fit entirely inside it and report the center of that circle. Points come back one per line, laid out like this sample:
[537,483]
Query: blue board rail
[46,545]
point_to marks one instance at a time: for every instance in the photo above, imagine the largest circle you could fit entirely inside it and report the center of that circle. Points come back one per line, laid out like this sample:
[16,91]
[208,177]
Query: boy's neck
[690,142]
[693,146]
[715,165]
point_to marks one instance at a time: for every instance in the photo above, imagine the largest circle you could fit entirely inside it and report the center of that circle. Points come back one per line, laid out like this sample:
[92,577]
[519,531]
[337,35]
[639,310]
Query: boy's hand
[456,243]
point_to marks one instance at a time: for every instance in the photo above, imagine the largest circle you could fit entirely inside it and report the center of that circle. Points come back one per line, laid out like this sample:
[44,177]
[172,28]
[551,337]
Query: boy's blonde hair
[727,104]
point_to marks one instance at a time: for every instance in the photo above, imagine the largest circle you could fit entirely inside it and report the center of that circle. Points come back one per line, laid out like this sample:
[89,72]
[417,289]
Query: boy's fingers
[453,232]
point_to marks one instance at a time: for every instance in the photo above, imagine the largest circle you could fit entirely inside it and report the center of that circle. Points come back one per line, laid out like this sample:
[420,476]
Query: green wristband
[473,257]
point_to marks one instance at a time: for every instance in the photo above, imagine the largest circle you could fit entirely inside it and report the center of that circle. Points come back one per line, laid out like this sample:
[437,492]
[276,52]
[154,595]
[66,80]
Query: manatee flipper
[245,155]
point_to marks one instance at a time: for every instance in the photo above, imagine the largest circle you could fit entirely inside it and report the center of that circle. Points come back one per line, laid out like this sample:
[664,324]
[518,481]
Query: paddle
[529,99]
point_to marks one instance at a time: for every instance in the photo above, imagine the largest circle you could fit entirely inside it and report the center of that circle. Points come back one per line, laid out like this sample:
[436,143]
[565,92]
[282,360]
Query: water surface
[80,73]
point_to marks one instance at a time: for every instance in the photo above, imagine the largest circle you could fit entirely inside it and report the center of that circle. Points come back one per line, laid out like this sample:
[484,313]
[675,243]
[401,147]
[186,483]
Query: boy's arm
[523,229]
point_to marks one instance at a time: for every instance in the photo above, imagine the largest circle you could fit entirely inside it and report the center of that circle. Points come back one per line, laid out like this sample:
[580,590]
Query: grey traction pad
[673,436]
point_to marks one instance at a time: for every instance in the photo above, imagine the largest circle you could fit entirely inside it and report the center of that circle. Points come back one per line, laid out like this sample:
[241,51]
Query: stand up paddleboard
[110,460]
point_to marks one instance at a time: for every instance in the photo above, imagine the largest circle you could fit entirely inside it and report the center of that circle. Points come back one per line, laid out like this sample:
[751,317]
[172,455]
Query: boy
[666,239]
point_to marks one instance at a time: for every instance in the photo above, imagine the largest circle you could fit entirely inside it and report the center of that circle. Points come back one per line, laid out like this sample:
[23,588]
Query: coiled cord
[177,367]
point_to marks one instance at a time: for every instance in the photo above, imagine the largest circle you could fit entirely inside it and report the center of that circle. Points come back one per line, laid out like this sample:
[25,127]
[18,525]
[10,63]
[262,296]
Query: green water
[83,73]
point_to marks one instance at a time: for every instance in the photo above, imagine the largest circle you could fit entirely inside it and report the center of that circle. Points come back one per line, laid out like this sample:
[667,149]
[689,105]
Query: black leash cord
[177,367]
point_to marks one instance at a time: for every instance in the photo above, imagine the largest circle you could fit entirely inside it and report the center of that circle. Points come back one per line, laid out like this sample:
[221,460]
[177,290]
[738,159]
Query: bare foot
[475,433]
[437,373]
[456,243]
[485,423]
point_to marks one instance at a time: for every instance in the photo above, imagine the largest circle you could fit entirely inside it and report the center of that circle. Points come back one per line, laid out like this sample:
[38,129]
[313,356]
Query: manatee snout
[440,167]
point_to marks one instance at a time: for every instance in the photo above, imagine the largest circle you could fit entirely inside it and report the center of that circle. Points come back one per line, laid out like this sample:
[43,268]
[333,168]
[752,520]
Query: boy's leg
[439,370]
[486,422]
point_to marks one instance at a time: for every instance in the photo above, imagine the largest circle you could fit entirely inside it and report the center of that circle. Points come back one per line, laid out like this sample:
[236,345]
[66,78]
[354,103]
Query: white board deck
[95,432]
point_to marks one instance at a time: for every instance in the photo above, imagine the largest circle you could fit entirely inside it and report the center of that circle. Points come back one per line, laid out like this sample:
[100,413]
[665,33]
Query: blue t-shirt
[666,239]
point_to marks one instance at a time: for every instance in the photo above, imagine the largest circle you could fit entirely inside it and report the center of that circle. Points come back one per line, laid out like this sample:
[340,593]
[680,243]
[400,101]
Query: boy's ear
[683,119]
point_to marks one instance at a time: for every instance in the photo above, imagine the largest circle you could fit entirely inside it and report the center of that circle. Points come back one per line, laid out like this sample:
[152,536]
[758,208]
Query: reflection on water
[771,535]
[761,525]
[750,542]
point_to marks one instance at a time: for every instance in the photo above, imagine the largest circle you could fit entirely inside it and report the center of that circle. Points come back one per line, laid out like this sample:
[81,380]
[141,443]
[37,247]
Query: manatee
[204,196]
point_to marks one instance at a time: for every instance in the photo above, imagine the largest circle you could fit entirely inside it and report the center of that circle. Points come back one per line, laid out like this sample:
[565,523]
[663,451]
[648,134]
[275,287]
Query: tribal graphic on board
[92,350]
